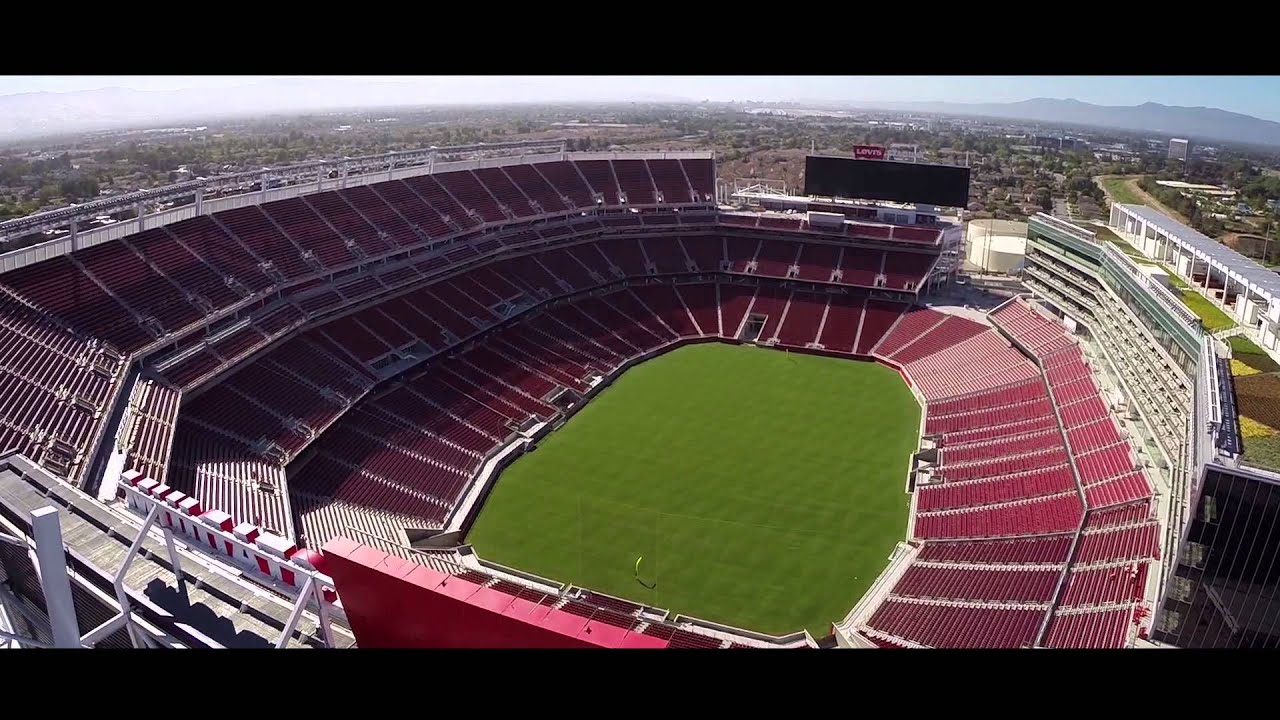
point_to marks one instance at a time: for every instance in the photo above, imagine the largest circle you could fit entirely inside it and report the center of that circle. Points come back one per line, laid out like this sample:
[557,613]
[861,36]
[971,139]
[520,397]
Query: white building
[1245,290]
[995,246]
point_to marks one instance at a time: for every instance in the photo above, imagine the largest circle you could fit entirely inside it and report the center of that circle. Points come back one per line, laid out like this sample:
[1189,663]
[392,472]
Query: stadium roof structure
[1246,269]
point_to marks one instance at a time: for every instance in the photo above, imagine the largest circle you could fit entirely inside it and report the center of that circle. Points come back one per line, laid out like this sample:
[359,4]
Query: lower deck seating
[464,405]
[321,519]
[958,626]
[55,387]
[229,475]
[1025,484]
[1107,628]
[405,456]
[153,415]
[981,362]
[946,582]
[803,319]
[1051,514]
[1039,334]
[1101,602]
[410,452]
[1090,495]
[844,320]
[1045,549]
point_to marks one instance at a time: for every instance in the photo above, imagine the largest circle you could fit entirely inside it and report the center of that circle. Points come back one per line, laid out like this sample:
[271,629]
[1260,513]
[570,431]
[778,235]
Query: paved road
[1132,182]
[1060,209]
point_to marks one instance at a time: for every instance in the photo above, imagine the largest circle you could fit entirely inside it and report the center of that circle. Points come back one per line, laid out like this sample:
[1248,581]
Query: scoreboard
[878,179]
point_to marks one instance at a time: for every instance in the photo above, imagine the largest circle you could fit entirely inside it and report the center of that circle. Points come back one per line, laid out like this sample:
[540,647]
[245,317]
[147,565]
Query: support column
[199,201]
[140,211]
[326,627]
[1268,335]
[122,595]
[176,561]
[46,530]
[304,595]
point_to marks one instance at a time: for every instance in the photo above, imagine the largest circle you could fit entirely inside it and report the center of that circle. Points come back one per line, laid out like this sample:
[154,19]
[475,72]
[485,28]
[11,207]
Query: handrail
[1066,227]
[1209,358]
[1171,303]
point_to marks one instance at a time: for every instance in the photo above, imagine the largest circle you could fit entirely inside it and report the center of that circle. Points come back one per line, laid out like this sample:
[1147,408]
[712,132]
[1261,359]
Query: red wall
[394,603]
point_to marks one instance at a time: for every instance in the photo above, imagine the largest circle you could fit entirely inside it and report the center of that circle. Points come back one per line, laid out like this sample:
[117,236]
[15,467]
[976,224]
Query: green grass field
[1106,234]
[1213,317]
[1257,381]
[1248,352]
[763,489]
[1119,190]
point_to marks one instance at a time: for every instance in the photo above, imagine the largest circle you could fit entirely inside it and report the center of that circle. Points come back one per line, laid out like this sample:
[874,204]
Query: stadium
[511,396]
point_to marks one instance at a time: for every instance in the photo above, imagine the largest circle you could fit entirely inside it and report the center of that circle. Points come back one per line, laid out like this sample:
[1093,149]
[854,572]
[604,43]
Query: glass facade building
[1225,589]
[1147,339]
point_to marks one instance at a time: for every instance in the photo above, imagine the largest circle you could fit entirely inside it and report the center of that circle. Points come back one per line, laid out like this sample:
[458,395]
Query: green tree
[1044,199]
[48,192]
[77,188]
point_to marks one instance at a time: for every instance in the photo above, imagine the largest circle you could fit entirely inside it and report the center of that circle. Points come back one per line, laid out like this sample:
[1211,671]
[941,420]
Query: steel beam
[122,597]
[326,628]
[24,641]
[46,530]
[96,635]
[177,564]
[296,615]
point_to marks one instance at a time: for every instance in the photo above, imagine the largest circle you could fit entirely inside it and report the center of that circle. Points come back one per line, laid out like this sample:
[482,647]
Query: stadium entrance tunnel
[756,488]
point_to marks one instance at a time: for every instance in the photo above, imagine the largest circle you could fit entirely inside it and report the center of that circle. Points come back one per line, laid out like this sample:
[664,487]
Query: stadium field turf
[757,488]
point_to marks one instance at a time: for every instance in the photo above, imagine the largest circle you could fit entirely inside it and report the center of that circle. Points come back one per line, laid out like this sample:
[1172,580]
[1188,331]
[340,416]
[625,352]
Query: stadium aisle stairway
[1028,455]
[1008,467]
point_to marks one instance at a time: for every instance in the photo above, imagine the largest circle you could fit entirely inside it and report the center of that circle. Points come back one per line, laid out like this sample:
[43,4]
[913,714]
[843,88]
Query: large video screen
[842,177]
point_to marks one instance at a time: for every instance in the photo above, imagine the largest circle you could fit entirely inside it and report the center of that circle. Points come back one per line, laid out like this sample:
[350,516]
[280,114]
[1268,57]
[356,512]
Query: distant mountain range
[1196,123]
[37,114]
[28,115]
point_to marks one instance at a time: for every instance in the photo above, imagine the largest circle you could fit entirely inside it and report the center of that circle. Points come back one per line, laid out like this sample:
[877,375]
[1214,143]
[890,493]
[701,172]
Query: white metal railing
[1159,291]
[1066,227]
[1231,332]
[270,560]
[1209,359]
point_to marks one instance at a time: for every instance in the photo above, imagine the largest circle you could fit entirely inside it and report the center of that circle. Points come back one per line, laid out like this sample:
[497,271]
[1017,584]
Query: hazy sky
[1253,95]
